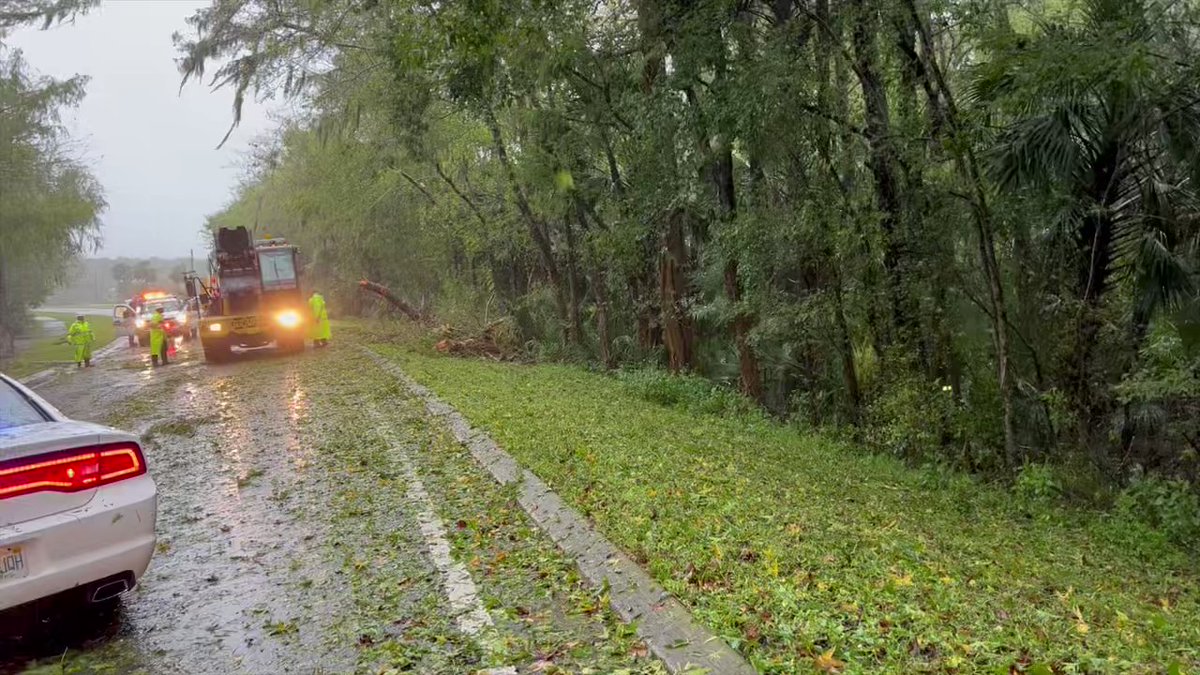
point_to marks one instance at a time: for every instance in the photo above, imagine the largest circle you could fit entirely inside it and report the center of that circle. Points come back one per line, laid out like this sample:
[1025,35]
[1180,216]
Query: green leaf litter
[791,545]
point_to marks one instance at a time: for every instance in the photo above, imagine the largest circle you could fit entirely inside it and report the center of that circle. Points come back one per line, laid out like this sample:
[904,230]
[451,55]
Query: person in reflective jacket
[81,336]
[319,331]
[158,338]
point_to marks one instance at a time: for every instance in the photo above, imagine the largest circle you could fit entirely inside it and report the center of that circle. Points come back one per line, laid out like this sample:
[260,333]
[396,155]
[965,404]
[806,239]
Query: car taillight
[71,470]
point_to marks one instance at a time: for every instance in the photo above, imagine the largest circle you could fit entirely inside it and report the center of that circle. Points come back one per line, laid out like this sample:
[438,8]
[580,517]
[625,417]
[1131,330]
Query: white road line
[660,619]
[469,613]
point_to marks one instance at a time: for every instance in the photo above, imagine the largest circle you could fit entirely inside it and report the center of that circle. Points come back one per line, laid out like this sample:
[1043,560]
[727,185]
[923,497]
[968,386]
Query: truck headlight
[288,318]
[214,327]
[140,323]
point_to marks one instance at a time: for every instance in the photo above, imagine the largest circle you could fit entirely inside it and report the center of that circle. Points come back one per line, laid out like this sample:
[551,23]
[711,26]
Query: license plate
[245,322]
[12,563]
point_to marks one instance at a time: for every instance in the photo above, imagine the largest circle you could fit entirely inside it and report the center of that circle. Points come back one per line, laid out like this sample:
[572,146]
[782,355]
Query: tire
[216,352]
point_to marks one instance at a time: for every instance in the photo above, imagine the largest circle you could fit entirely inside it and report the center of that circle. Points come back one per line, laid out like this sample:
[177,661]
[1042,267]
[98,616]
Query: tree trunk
[575,327]
[397,302]
[969,166]
[599,279]
[650,19]
[749,378]
[849,371]
[678,335]
[600,289]
[883,161]
[537,229]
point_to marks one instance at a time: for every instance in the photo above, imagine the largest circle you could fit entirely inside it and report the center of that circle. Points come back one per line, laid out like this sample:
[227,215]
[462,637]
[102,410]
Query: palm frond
[1043,150]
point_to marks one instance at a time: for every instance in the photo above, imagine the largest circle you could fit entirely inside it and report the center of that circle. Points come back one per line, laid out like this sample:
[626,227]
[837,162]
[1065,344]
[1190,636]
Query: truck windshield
[278,269]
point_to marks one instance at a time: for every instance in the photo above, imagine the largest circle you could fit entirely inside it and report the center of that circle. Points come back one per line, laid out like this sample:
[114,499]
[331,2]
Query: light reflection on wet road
[238,583]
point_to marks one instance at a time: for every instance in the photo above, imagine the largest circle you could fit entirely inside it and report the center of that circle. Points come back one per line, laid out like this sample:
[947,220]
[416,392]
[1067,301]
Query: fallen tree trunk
[383,292]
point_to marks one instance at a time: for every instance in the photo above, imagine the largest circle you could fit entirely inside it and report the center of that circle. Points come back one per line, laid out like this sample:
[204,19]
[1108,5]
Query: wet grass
[552,616]
[396,620]
[47,351]
[184,428]
[805,553]
[547,619]
[146,405]
[105,661]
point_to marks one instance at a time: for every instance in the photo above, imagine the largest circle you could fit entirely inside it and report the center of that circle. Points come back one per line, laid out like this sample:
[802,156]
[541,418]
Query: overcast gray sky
[152,146]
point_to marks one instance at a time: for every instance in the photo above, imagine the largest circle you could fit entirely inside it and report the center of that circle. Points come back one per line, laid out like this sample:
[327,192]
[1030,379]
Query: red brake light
[71,470]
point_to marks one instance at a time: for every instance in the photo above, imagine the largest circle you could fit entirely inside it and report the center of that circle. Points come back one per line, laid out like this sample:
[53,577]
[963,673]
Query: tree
[855,212]
[49,203]
[1104,125]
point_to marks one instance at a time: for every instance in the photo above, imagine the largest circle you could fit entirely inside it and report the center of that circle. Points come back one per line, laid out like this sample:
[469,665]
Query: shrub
[687,392]
[910,419]
[1169,506]
[1037,487]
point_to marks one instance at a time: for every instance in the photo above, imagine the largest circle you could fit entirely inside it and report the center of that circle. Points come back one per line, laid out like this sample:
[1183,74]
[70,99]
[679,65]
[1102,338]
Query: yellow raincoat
[158,336]
[80,334]
[319,328]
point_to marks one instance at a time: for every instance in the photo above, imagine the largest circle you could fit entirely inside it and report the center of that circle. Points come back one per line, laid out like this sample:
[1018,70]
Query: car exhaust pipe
[109,590]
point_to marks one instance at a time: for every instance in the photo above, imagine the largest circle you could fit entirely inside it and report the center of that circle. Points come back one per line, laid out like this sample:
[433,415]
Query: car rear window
[15,409]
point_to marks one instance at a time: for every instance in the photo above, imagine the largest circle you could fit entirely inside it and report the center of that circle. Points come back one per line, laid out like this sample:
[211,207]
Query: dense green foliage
[49,202]
[790,545]
[964,231]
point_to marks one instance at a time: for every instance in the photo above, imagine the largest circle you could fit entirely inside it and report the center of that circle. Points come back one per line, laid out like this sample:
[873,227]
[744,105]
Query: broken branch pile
[485,344]
[494,342]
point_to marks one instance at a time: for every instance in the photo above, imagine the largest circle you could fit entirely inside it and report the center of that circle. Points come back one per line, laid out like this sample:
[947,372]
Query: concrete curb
[43,376]
[662,621]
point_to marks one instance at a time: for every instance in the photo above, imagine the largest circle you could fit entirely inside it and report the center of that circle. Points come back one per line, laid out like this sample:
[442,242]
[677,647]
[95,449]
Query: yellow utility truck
[254,296]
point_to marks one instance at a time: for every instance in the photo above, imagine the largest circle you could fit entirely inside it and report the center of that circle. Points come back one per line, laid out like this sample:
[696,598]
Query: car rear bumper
[111,535]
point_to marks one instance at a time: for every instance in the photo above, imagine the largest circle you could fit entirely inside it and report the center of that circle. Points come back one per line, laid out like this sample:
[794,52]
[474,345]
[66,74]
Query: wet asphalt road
[219,448]
[289,543]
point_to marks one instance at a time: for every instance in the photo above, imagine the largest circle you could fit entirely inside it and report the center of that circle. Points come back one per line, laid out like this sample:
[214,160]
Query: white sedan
[77,507]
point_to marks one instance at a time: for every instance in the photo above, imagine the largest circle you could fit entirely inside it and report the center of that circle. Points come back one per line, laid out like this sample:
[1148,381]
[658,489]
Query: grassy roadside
[547,619]
[52,350]
[808,555]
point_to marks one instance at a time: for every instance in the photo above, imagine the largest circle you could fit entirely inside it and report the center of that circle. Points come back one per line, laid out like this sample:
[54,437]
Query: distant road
[98,310]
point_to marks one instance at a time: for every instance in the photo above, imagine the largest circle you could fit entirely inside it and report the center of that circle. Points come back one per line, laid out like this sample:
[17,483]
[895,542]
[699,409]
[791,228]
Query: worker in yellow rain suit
[80,334]
[319,331]
[158,338]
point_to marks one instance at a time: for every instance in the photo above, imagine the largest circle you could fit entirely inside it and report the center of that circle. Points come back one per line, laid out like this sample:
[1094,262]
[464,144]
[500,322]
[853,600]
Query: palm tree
[1100,115]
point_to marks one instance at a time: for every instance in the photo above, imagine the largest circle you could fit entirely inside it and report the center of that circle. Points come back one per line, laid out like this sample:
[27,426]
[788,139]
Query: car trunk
[40,439]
